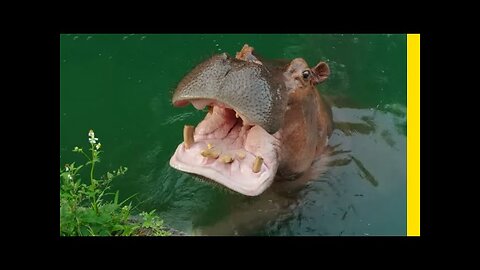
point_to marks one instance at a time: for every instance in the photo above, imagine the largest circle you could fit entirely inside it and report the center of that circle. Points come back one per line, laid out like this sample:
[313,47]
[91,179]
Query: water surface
[121,86]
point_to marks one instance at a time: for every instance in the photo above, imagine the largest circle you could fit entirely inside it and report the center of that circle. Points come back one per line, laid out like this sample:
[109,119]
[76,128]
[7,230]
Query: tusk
[226,159]
[241,155]
[210,153]
[257,164]
[188,136]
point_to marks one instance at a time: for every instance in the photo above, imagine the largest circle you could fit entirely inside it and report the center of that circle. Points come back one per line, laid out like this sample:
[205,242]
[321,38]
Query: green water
[121,86]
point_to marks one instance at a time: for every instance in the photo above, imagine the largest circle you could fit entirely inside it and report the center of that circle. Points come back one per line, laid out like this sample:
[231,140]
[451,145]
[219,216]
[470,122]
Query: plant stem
[94,203]
[91,171]
[78,226]
[85,155]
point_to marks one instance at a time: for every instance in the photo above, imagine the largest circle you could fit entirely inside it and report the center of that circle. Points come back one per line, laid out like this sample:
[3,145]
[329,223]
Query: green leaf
[84,230]
[115,201]
[128,199]
[129,230]
[122,170]
[78,168]
[64,175]
[109,208]
[101,194]
[90,230]
[118,228]
[104,232]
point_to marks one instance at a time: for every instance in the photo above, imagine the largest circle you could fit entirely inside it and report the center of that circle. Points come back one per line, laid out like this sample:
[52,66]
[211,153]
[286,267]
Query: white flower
[70,176]
[98,146]
[92,138]
[67,168]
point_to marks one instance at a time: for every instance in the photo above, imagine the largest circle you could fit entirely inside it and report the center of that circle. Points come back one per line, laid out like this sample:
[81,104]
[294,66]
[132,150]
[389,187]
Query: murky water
[121,86]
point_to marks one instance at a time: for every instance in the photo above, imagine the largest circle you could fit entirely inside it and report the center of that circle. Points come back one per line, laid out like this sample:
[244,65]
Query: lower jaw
[227,160]
[237,175]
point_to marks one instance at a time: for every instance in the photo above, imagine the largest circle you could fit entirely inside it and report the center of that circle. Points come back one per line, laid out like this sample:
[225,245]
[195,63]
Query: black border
[43,94]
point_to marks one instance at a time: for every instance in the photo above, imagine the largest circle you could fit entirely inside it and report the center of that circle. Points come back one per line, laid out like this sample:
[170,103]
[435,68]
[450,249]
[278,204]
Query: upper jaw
[254,91]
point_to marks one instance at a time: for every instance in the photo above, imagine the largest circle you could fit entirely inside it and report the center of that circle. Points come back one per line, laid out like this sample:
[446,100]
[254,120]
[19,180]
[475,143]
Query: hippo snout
[247,87]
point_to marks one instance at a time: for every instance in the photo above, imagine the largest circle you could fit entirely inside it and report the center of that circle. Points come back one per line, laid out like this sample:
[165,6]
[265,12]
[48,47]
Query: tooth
[210,153]
[210,109]
[257,164]
[188,135]
[241,155]
[237,115]
[209,146]
[226,159]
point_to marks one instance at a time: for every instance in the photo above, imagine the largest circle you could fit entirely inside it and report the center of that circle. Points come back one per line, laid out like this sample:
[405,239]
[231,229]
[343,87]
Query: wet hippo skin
[266,120]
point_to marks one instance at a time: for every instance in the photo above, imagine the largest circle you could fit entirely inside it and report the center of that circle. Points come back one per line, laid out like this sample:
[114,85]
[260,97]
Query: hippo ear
[321,72]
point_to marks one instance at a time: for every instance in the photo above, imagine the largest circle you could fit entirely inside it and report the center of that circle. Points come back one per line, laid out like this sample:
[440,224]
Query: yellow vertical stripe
[413,135]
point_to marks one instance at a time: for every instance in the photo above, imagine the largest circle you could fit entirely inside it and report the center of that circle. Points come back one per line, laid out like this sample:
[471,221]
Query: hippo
[266,120]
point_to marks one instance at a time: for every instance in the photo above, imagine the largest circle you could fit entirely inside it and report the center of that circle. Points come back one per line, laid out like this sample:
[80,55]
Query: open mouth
[226,148]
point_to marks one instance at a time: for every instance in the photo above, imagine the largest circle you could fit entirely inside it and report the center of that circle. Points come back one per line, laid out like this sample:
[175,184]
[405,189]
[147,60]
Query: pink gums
[228,135]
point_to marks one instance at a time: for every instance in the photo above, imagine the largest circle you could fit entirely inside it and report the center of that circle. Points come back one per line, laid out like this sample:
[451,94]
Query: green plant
[152,225]
[88,209]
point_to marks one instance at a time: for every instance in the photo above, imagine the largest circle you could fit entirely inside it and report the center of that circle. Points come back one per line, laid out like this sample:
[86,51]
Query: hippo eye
[306,74]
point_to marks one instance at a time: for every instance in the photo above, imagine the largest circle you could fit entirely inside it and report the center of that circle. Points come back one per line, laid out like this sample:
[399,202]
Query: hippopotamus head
[264,120]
